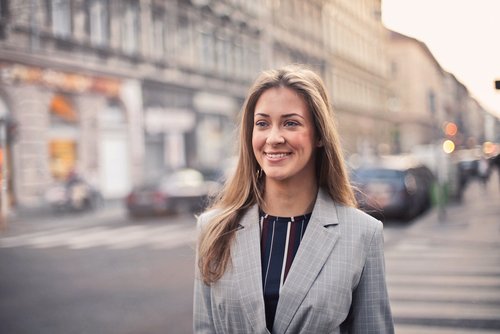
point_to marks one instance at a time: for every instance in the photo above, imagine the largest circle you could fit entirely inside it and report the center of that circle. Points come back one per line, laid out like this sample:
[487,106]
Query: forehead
[280,99]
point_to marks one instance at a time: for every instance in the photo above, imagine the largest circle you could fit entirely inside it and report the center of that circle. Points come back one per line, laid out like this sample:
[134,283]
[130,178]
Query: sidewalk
[44,217]
[443,274]
[475,219]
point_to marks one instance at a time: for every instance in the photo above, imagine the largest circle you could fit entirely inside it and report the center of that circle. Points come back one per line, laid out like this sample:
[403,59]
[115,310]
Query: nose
[275,137]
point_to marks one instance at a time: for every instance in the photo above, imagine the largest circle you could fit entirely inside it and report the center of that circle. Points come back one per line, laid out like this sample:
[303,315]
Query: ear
[319,143]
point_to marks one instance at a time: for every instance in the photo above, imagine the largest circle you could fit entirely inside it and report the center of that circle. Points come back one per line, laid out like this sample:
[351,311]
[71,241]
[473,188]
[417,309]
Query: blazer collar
[315,247]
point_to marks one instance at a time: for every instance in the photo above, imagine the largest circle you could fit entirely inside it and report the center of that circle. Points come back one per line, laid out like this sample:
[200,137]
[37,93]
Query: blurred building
[425,99]
[120,91]
[416,87]
[455,107]
[355,42]
[344,41]
[123,91]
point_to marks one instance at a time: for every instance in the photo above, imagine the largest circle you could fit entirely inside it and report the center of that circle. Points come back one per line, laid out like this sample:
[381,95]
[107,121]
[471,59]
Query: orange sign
[68,82]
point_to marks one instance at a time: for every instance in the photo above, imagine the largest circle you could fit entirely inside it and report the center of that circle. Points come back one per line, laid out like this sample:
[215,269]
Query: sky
[463,36]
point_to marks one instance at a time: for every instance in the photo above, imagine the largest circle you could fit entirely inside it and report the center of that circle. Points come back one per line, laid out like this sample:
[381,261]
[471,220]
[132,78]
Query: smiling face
[283,137]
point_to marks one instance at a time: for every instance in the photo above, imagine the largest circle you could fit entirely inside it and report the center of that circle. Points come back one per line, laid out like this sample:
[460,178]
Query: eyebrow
[282,116]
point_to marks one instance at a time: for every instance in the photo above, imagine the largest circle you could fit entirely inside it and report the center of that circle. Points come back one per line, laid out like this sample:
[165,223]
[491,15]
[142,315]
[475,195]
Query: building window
[207,49]
[3,17]
[3,9]
[130,28]
[394,69]
[238,57]
[185,40]
[98,22]
[61,17]
[159,32]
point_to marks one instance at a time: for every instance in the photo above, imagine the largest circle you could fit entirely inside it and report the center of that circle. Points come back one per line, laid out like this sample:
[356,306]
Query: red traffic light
[450,129]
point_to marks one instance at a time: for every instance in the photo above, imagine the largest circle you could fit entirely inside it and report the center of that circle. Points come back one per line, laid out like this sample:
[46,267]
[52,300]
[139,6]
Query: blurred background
[118,120]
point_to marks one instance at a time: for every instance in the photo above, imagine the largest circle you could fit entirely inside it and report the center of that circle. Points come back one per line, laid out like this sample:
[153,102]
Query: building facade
[417,92]
[425,99]
[345,42]
[124,91]
[355,42]
[121,91]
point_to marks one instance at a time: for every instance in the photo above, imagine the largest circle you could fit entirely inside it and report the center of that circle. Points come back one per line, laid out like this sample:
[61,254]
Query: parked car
[184,190]
[393,191]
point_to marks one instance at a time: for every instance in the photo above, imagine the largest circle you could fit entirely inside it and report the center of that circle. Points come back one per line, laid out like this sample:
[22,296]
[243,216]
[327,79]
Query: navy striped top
[280,240]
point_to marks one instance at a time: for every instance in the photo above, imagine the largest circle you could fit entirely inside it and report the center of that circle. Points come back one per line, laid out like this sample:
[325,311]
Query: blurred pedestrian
[283,247]
[496,162]
[483,169]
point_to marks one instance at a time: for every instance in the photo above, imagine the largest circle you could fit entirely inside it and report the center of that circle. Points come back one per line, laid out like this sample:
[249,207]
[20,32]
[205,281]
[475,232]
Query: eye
[261,123]
[291,123]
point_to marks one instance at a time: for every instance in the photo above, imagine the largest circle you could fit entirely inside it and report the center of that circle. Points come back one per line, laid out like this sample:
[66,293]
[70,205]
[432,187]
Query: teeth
[276,155]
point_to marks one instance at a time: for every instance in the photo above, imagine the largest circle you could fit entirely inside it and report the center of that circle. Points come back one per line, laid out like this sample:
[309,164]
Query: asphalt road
[97,273]
[104,273]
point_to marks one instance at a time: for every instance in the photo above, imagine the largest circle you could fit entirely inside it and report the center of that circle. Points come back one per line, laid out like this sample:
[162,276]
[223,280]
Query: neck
[286,200]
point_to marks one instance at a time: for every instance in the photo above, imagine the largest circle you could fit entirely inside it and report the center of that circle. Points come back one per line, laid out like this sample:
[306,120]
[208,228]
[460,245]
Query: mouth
[276,155]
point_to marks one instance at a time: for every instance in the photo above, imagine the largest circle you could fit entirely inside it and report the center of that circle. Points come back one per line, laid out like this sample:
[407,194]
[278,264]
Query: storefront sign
[68,82]
[215,104]
[169,120]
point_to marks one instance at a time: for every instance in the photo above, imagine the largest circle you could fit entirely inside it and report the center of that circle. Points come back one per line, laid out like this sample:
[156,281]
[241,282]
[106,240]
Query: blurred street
[97,273]
[444,276]
[101,272]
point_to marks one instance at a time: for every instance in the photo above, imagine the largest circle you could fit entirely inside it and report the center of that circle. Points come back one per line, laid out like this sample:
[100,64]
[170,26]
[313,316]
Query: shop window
[62,108]
[63,137]
[62,154]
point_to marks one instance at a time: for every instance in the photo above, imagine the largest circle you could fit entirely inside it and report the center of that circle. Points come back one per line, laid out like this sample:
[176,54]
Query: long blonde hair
[245,188]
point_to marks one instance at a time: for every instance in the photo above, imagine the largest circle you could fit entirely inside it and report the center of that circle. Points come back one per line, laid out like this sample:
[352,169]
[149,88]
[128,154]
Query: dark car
[183,190]
[393,192]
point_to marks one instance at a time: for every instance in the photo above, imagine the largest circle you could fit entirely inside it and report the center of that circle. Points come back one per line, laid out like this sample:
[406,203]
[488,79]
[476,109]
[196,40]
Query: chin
[276,177]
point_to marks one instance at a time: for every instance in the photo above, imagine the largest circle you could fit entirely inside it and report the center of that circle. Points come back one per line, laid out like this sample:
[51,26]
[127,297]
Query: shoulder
[355,220]
[206,217]
[347,217]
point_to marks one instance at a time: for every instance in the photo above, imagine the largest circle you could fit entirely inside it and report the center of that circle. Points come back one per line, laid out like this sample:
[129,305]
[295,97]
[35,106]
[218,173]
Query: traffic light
[448,146]
[450,130]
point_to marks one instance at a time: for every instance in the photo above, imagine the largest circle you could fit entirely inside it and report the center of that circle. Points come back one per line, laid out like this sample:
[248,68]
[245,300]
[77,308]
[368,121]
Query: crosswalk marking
[429,310]
[442,280]
[125,237]
[450,293]
[444,287]
[409,329]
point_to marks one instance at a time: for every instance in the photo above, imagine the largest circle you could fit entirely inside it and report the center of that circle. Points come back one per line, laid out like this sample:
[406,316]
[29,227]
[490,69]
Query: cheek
[255,146]
[304,141]
[257,141]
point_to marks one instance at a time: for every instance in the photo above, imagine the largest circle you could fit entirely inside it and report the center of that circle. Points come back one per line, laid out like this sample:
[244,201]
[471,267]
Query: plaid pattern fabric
[336,283]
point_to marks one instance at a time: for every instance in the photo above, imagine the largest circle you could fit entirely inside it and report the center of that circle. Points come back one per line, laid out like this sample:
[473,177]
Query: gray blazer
[336,283]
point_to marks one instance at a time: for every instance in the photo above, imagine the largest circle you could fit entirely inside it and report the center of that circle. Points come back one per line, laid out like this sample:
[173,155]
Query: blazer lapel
[314,249]
[247,262]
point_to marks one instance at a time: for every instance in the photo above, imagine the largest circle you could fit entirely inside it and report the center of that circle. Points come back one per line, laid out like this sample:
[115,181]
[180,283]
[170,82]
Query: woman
[283,249]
